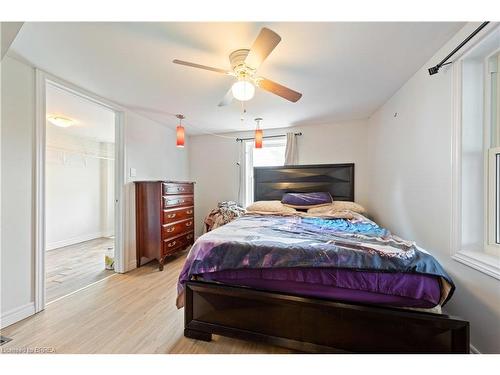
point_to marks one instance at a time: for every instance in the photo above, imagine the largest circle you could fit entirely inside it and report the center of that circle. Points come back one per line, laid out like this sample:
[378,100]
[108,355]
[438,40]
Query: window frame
[248,147]
[492,158]
[486,259]
[493,220]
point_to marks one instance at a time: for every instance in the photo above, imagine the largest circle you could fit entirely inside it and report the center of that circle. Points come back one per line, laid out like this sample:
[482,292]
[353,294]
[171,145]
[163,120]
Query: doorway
[79,184]
[79,192]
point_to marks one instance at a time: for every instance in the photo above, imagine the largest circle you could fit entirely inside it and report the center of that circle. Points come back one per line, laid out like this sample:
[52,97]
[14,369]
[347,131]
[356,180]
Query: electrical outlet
[133,172]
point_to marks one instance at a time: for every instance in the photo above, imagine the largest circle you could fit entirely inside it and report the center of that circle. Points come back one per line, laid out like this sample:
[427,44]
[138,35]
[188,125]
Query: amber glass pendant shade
[258,138]
[180,135]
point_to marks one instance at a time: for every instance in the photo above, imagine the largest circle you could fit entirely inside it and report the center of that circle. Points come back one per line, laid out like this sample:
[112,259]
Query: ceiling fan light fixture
[243,90]
[244,66]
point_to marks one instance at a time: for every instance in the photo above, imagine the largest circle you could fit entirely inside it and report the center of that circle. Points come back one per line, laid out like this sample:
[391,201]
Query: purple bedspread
[354,260]
[393,289]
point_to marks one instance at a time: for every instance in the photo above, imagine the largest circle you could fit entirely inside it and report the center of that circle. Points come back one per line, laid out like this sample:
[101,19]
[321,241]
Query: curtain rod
[269,136]
[435,69]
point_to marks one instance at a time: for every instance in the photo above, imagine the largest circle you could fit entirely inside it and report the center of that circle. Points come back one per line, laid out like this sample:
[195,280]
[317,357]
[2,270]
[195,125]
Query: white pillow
[338,206]
[270,206]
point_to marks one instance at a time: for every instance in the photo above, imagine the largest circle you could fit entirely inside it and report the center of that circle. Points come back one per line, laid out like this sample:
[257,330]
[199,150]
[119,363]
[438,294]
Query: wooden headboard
[270,183]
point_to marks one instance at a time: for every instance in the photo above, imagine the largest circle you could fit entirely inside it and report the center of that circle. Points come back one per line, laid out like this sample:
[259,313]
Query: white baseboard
[473,350]
[71,241]
[17,314]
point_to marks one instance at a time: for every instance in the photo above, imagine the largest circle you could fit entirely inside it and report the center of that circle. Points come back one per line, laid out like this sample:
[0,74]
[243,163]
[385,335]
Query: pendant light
[258,133]
[180,131]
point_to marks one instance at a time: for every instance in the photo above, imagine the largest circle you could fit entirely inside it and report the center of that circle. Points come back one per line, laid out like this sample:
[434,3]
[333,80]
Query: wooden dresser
[164,218]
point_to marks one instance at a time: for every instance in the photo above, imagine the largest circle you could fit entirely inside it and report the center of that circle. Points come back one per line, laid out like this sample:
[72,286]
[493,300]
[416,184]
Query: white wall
[150,149]
[410,187]
[212,160]
[73,201]
[17,254]
[79,189]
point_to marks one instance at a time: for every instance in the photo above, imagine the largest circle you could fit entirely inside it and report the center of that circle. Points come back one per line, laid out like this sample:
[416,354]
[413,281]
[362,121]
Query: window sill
[482,262]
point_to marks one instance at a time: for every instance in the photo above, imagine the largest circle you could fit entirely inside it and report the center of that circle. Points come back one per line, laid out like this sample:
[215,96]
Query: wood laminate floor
[127,313]
[73,267]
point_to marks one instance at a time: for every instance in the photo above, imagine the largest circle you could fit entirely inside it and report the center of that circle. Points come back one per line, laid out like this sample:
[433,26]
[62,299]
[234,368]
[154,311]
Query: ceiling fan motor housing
[237,60]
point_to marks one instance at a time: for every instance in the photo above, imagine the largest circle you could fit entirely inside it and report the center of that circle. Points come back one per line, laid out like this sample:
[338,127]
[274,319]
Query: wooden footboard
[317,325]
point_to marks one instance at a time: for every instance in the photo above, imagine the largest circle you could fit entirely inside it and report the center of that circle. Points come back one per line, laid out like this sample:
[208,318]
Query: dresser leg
[138,262]
[161,264]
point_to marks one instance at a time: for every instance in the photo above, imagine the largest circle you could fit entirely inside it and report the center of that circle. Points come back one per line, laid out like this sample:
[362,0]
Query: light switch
[133,172]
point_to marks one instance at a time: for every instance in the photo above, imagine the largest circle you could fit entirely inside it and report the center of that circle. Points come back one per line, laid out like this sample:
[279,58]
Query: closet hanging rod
[435,69]
[266,137]
[74,152]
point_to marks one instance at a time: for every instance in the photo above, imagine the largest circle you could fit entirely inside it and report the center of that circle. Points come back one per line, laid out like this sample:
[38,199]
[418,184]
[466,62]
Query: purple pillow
[307,200]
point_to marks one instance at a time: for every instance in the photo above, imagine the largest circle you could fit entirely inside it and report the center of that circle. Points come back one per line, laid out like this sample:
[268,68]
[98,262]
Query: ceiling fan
[244,65]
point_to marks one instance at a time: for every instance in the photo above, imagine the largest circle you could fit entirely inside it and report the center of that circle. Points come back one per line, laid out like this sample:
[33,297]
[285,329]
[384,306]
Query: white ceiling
[344,70]
[92,121]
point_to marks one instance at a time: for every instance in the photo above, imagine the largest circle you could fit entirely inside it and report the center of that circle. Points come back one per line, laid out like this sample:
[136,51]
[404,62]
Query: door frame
[42,79]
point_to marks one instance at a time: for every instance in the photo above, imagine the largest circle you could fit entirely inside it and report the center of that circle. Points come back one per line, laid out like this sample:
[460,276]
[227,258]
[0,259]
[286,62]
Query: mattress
[386,289]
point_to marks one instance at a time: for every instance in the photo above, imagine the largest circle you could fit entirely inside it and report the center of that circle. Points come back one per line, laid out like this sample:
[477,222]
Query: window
[493,146]
[272,153]
[476,227]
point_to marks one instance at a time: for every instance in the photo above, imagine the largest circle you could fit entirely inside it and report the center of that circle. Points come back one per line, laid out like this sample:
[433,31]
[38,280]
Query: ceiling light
[243,90]
[62,122]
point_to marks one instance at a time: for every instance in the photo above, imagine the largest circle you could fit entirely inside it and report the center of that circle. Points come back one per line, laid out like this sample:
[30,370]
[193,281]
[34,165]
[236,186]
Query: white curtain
[241,165]
[291,150]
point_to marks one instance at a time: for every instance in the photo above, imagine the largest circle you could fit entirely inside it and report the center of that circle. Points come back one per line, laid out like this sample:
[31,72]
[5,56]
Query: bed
[317,284]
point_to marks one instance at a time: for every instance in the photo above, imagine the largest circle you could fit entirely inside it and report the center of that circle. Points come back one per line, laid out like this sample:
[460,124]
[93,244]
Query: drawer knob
[189,212]
[190,236]
[172,244]
[169,230]
[189,223]
[170,216]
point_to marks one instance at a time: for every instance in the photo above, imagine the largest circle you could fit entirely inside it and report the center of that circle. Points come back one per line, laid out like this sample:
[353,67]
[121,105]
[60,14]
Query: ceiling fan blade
[279,90]
[228,98]
[266,41]
[193,65]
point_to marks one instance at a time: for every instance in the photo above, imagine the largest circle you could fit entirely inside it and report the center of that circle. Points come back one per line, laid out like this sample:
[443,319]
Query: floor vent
[4,340]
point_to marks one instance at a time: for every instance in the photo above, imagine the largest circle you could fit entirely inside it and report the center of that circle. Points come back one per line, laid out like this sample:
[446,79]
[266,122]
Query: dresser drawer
[173,188]
[176,214]
[174,229]
[177,243]
[177,200]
